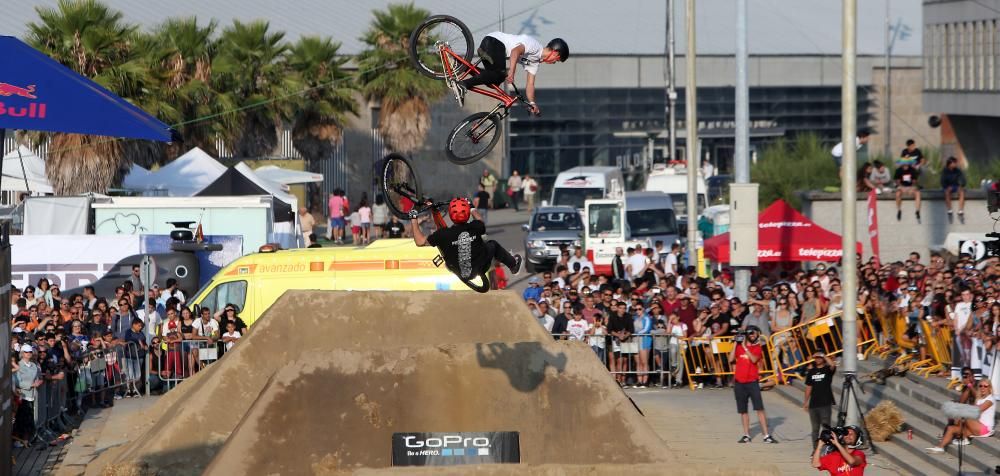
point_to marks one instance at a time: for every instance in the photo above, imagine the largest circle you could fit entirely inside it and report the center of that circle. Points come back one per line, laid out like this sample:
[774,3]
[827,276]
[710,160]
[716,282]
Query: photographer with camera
[837,451]
[819,391]
[746,358]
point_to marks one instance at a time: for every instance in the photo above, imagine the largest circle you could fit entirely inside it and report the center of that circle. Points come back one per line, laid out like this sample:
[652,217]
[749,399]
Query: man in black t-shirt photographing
[819,392]
[465,251]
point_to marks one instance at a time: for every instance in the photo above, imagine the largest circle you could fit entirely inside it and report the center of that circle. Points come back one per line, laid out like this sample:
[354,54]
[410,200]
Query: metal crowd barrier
[707,358]
[185,358]
[938,343]
[793,347]
[51,419]
[664,365]
[110,369]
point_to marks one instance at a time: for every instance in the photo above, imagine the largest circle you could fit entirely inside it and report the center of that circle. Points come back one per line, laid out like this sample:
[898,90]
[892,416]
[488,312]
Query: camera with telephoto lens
[740,335]
[829,433]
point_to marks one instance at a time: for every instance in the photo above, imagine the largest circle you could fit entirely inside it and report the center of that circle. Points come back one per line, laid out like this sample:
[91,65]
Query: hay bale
[884,420]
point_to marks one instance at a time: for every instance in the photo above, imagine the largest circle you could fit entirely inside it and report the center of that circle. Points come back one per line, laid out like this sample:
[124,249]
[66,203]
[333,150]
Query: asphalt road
[505,227]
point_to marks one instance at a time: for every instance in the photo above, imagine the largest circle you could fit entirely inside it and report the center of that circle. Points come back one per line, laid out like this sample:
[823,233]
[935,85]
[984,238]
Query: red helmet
[459,210]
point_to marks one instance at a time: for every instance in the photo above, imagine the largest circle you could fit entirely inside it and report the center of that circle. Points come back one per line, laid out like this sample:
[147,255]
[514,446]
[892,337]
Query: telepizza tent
[784,234]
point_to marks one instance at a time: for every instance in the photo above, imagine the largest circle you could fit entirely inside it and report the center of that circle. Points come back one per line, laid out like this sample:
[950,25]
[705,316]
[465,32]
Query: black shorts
[748,391]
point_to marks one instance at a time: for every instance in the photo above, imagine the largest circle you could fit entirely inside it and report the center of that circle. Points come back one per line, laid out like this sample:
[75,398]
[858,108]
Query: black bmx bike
[399,185]
[433,54]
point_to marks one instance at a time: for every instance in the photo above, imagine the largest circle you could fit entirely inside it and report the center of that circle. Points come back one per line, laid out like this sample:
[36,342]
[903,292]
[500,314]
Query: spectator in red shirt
[746,358]
[841,458]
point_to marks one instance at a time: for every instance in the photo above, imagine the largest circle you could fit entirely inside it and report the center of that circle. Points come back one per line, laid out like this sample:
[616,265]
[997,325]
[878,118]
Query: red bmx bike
[399,185]
[441,48]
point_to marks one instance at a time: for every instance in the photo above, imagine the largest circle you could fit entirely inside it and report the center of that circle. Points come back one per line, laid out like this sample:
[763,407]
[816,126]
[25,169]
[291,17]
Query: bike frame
[492,91]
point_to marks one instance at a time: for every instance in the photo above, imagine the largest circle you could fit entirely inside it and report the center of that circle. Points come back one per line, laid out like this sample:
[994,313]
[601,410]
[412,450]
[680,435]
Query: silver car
[548,228]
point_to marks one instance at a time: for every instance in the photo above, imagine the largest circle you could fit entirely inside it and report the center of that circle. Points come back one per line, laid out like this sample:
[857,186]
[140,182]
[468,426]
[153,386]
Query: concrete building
[614,82]
[961,79]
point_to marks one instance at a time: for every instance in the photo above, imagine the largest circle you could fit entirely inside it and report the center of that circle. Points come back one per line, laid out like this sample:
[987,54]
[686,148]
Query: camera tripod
[847,395]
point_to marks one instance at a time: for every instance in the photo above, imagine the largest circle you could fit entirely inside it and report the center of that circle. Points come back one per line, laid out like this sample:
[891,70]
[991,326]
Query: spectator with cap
[534,289]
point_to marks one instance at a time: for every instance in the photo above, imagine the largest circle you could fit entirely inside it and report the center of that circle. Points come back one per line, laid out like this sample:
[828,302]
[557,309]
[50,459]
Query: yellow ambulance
[255,281]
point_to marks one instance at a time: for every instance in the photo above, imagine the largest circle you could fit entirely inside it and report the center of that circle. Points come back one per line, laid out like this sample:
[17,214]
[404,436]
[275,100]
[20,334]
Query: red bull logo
[31,111]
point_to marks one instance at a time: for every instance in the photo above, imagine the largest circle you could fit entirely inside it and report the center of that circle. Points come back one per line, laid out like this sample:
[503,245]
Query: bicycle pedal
[438,261]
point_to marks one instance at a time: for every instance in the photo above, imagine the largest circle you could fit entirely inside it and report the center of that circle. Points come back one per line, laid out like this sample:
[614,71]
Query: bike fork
[498,111]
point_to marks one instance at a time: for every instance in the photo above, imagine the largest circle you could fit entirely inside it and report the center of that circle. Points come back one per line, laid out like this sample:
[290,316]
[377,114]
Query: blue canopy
[38,93]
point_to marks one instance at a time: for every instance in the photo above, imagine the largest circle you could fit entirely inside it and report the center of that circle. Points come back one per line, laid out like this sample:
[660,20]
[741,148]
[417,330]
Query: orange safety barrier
[904,346]
[938,342]
[885,347]
[793,347]
[709,357]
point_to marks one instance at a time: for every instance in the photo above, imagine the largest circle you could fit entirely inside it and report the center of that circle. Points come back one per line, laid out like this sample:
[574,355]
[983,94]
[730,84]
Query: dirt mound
[189,425]
[337,412]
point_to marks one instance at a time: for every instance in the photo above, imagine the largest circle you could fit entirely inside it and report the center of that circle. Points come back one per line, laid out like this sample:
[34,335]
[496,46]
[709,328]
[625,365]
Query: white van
[575,186]
[673,181]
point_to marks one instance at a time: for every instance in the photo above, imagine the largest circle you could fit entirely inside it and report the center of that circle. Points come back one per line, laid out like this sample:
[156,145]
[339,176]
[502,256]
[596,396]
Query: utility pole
[887,91]
[691,123]
[671,84]
[506,164]
[741,160]
[848,196]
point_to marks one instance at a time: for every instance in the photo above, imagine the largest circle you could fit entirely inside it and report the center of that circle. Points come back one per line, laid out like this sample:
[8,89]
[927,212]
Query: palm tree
[181,52]
[386,76]
[322,110]
[250,65]
[93,40]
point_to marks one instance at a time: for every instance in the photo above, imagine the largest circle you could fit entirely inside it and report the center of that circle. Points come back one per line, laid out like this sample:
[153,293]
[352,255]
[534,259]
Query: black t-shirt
[559,325]
[484,199]
[820,379]
[621,323]
[907,176]
[717,323]
[463,248]
[916,156]
[395,229]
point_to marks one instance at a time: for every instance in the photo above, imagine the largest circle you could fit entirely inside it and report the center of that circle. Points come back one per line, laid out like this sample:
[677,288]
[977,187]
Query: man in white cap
[27,379]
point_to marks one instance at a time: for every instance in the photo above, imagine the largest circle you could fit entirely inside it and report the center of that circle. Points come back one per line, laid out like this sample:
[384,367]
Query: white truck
[673,182]
[640,218]
[575,186]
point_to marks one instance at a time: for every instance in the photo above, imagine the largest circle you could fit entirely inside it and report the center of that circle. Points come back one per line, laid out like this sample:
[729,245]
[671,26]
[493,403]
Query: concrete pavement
[703,426]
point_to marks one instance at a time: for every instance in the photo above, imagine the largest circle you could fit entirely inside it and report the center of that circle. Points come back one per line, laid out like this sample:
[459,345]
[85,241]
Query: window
[575,197]
[651,222]
[605,220]
[556,221]
[234,292]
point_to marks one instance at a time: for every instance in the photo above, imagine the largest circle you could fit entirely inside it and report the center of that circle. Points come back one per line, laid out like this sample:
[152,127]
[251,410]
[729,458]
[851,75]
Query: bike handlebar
[524,100]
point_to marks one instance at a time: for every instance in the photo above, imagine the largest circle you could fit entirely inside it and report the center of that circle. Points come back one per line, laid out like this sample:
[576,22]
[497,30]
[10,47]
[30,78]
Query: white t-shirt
[671,261]
[577,329]
[584,263]
[679,330]
[963,311]
[597,340]
[838,150]
[986,418]
[355,219]
[166,294]
[547,322]
[637,262]
[206,329]
[532,49]
[236,334]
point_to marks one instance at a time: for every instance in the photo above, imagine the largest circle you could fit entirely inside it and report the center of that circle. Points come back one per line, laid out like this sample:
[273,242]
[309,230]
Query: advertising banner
[443,449]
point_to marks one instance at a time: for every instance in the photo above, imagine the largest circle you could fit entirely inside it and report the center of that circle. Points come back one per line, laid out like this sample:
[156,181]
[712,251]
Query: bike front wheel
[473,138]
[440,29]
[399,185]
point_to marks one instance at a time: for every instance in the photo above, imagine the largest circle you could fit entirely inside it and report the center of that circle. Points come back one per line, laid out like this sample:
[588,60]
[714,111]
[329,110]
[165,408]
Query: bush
[788,166]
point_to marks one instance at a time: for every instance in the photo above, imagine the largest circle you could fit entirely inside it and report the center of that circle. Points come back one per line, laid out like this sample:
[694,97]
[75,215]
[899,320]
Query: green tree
[788,166]
[180,52]
[386,77]
[250,66]
[95,41]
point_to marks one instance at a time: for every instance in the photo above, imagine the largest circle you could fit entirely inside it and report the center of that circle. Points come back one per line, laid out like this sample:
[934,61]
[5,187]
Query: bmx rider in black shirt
[466,253]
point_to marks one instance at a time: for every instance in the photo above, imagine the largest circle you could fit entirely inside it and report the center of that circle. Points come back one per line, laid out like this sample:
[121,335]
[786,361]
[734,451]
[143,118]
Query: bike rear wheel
[473,138]
[399,185]
[480,286]
[440,28]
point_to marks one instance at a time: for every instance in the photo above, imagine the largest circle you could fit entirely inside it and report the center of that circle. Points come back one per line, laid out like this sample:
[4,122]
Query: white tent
[34,171]
[287,176]
[184,177]
[285,233]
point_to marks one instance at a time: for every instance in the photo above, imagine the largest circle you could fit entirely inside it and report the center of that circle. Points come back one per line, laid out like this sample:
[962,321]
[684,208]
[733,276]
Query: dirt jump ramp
[337,412]
[190,423]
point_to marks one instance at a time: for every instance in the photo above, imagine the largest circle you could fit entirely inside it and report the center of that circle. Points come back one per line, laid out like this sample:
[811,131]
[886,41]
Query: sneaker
[918,216]
[701,385]
[770,439]
[118,397]
[899,215]
[861,356]
[962,442]
[961,216]
[745,439]
[951,217]
[934,449]
[517,265]
[483,55]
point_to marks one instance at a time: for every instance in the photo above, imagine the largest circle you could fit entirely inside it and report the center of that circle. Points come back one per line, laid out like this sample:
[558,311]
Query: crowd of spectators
[649,295]
[94,349]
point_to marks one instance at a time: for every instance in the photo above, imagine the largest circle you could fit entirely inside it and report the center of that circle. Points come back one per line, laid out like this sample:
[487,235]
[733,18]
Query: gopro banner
[443,449]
